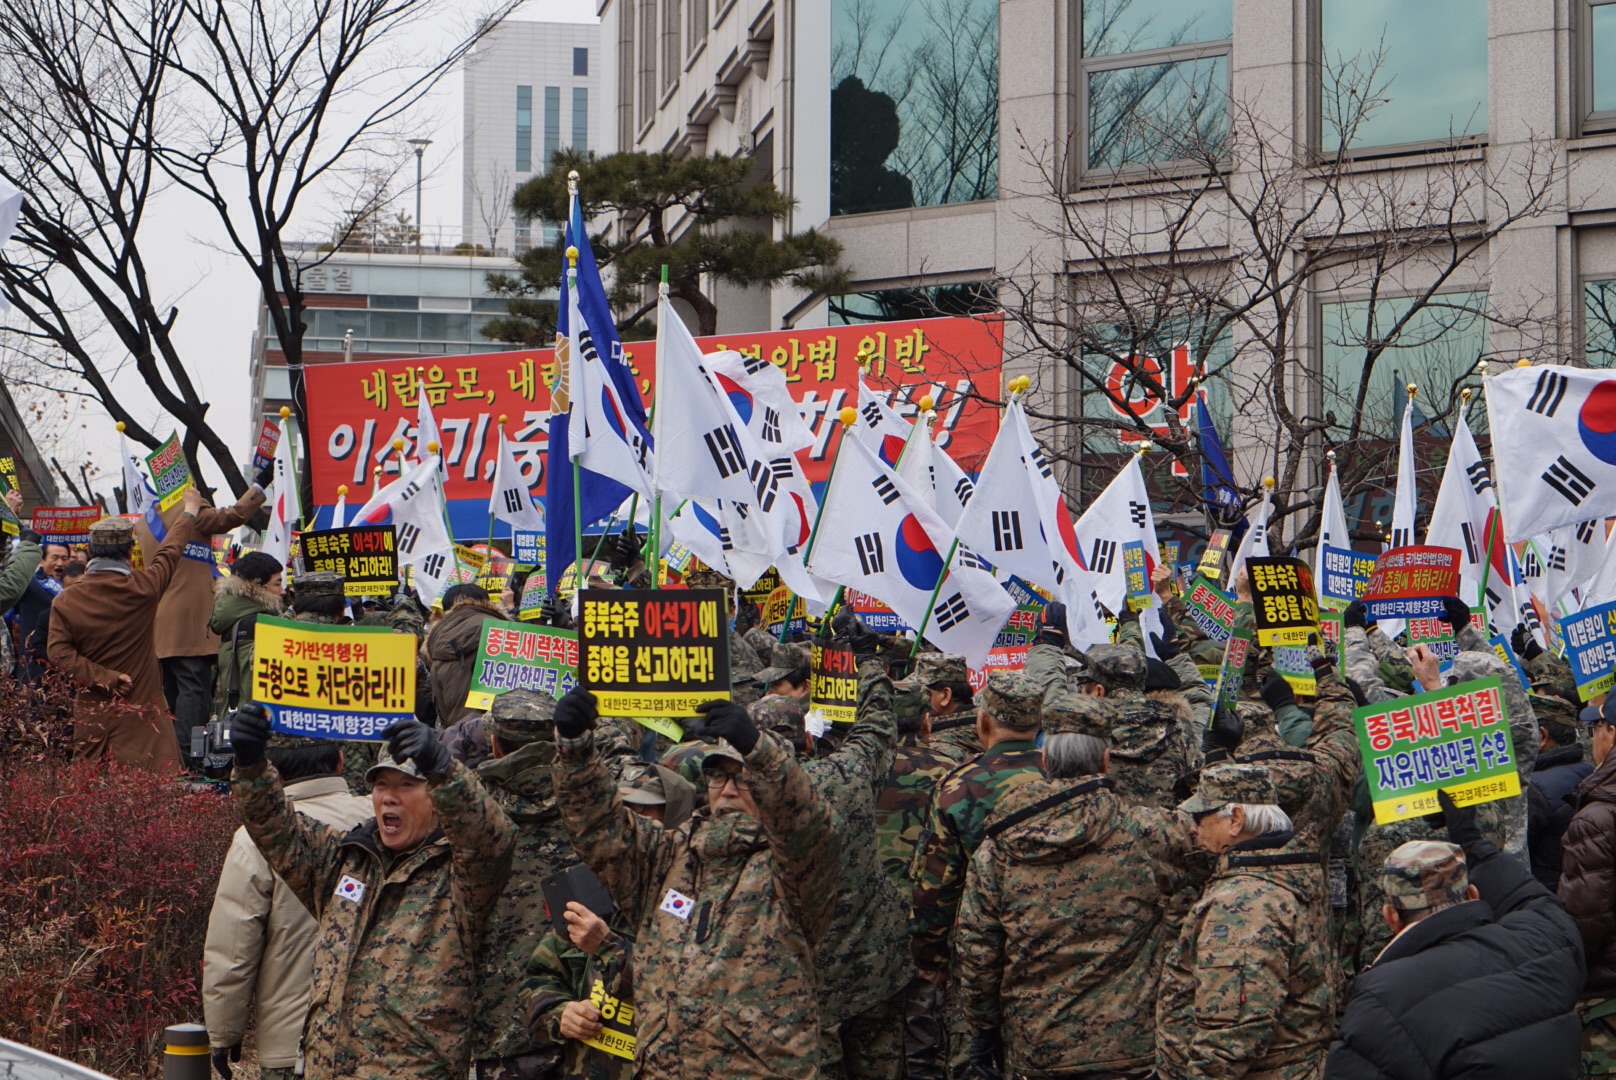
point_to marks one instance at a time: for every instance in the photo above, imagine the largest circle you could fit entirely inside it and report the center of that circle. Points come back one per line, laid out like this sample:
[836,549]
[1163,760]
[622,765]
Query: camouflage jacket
[393,988]
[902,806]
[1376,664]
[863,960]
[727,911]
[744,666]
[954,736]
[1199,699]
[558,972]
[520,782]
[1245,991]
[1065,921]
[953,832]
[1151,754]
[357,757]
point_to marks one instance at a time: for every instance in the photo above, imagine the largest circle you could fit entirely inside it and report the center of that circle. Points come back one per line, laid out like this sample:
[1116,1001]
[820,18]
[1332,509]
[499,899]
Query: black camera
[212,751]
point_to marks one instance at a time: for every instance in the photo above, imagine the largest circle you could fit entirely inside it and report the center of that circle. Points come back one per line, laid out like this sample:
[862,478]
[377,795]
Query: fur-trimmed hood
[235,598]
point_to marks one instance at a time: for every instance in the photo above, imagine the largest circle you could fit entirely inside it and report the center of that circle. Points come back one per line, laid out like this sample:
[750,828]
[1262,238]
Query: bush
[106,879]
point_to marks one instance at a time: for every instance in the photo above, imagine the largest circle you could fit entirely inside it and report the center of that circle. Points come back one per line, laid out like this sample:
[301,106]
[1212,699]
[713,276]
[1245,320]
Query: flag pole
[920,631]
[656,492]
[502,418]
[848,416]
[574,371]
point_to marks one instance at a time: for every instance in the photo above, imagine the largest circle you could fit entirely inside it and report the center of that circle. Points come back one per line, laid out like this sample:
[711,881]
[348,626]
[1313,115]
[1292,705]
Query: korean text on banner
[1292,664]
[269,436]
[874,613]
[333,682]
[1211,565]
[1332,628]
[527,548]
[1590,643]
[1454,740]
[531,607]
[616,1035]
[1410,582]
[1012,659]
[1282,601]
[833,685]
[1344,577]
[66,524]
[1210,609]
[1434,635]
[511,656]
[1136,575]
[653,652]
[1233,671]
[170,472]
[364,555]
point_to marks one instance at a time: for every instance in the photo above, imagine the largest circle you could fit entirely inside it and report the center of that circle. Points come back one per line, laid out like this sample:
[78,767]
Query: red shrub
[106,878]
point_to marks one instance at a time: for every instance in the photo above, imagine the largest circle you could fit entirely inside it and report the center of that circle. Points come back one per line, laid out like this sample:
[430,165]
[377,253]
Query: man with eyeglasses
[729,907]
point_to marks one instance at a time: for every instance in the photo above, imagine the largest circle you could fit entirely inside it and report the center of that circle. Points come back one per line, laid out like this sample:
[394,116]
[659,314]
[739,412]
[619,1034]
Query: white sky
[218,299]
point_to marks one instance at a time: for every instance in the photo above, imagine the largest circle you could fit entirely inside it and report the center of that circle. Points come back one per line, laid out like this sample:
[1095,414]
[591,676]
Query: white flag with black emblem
[1333,531]
[414,505]
[511,499]
[704,453]
[1554,446]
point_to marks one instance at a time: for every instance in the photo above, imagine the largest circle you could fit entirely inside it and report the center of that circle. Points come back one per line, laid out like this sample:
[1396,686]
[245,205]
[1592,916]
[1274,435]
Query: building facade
[531,88]
[1355,194]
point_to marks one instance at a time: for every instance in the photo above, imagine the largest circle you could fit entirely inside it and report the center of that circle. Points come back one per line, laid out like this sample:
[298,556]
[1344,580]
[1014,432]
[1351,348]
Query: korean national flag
[350,889]
[1554,446]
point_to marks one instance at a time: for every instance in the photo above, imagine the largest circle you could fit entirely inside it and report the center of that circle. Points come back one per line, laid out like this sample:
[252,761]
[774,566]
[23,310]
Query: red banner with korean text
[357,410]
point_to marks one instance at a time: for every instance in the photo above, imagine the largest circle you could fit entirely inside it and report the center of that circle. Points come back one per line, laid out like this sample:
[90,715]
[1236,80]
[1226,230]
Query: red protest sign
[66,524]
[269,436]
[1410,582]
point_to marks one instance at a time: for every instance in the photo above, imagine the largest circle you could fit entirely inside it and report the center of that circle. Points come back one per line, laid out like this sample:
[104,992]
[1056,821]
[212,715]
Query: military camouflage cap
[112,530]
[645,789]
[1255,715]
[386,760]
[375,618]
[1249,785]
[519,717]
[784,658]
[1426,874]
[1013,699]
[781,714]
[707,578]
[934,669]
[720,751]
[319,583]
[685,759]
[1116,667]
[1071,713]
[1553,708]
[1475,664]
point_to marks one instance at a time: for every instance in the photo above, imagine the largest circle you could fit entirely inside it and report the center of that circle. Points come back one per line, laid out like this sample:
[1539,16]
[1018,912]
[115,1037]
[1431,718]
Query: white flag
[762,398]
[1117,531]
[339,512]
[285,508]
[954,487]
[1333,530]
[10,211]
[1464,502]
[414,505]
[433,575]
[511,499]
[916,466]
[700,527]
[1571,555]
[777,527]
[1554,446]
[1254,545]
[1405,500]
[877,536]
[703,454]
[426,426]
[138,493]
[1602,589]
[600,434]
[879,427]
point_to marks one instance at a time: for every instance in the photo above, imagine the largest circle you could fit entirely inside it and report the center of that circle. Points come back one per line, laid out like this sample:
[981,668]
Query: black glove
[1456,613]
[263,478]
[986,1054]
[575,713]
[223,1056]
[729,721]
[1276,691]
[1052,625]
[249,733]
[411,740]
[29,536]
[1166,642]
[850,630]
[1126,614]
[1224,732]
[626,549]
[1357,614]
[1524,644]
[1461,824]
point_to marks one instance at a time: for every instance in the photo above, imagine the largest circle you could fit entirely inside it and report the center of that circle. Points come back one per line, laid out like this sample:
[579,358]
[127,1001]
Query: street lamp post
[420,149]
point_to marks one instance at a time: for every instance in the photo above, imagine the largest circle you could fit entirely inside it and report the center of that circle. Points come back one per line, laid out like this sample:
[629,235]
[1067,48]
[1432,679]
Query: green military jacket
[953,832]
[904,803]
[393,985]
[559,972]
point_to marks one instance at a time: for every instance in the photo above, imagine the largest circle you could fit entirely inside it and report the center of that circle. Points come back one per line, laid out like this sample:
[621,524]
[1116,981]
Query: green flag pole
[848,417]
[920,631]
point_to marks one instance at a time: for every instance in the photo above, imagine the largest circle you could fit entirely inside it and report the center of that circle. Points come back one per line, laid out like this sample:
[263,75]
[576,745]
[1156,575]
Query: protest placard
[10,524]
[511,656]
[1455,740]
[66,524]
[1410,582]
[531,606]
[1590,644]
[1167,552]
[1231,673]
[1021,628]
[527,548]
[1344,577]
[1210,609]
[1435,635]
[1505,653]
[616,1036]
[1211,565]
[833,684]
[1332,628]
[873,613]
[269,437]
[653,652]
[1011,659]
[1136,575]
[1292,664]
[1282,601]
[333,682]
[170,472]
[364,555]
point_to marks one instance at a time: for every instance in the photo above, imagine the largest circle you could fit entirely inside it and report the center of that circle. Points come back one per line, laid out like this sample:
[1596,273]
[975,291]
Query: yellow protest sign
[333,682]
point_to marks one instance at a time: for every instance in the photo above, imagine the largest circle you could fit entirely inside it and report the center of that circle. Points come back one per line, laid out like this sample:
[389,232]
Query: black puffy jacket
[1467,993]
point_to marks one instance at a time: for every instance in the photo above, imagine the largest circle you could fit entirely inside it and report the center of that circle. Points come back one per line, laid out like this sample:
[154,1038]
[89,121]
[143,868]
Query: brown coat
[101,628]
[182,614]
[451,649]
[1588,874]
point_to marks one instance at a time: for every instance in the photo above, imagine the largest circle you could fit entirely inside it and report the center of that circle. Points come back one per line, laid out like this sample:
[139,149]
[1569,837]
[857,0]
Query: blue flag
[1216,477]
[601,494]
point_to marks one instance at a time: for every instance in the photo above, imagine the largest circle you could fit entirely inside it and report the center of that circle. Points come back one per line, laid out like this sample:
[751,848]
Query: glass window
[580,118]
[695,23]
[1155,81]
[914,105]
[395,326]
[1599,323]
[524,129]
[1437,348]
[489,304]
[552,123]
[1602,59]
[925,302]
[672,52]
[400,303]
[1421,67]
[648,47]
[580,63]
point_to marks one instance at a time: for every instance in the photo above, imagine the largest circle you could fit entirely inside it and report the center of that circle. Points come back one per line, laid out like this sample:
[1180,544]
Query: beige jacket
[261,937]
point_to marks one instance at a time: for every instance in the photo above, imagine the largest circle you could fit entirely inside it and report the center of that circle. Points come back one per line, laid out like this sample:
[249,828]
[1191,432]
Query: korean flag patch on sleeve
[351,888]
[676,904]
